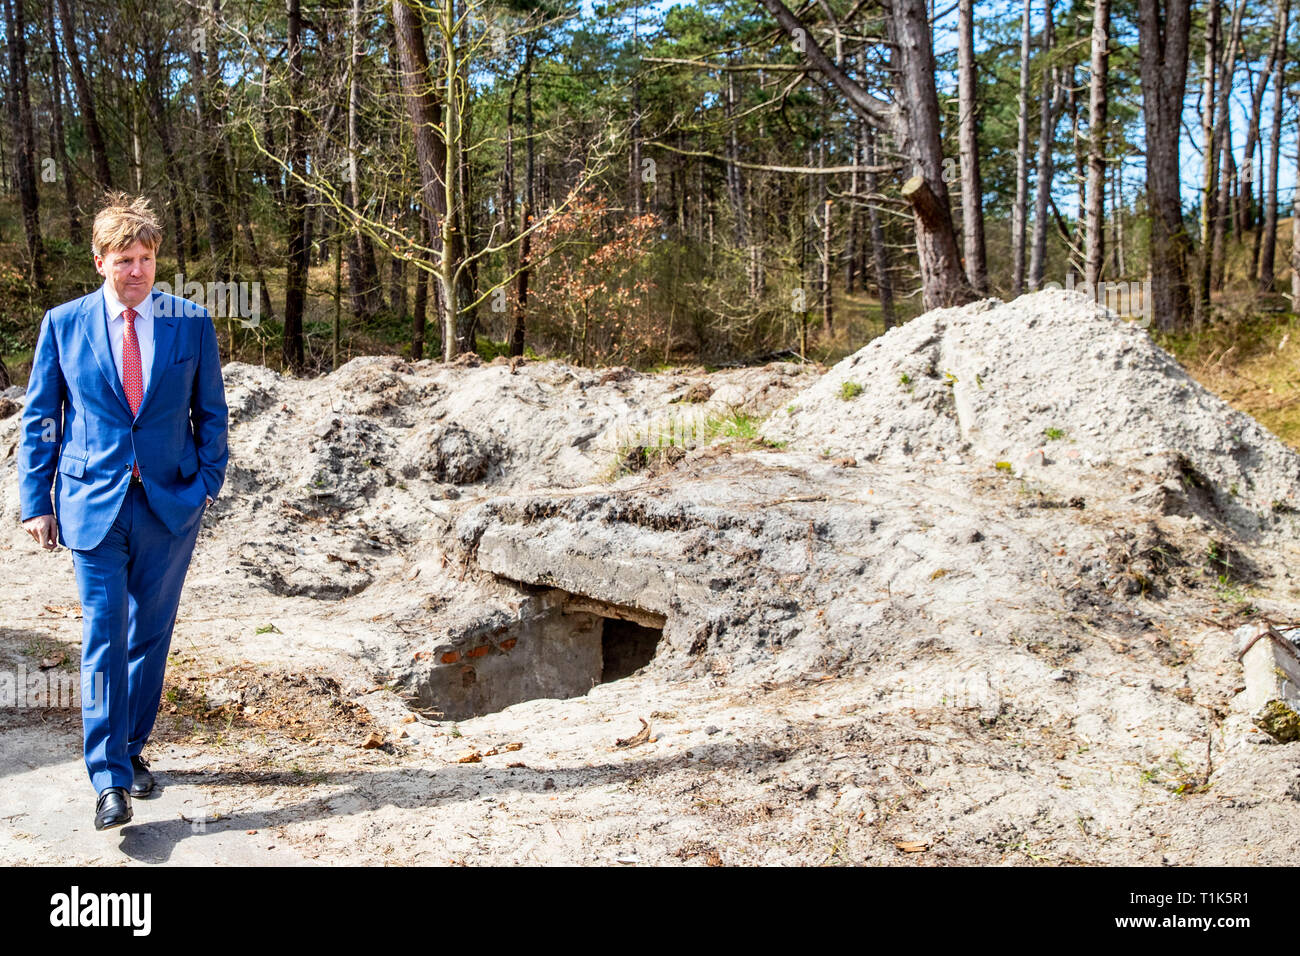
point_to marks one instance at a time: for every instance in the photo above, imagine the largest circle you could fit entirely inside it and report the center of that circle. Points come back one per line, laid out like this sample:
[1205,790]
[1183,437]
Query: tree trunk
[1019,209]
[1209,160]
[1295,240]
[425,109]
[1248,213]
[1164,28]
[296,272]
[1268,246]
[1225,208]
[879,253]
[466,235]
[1117,217]
[1095,257]
[153,80]
[206,76]
[60,140]
[85,98]
[363,273]
[972,193]
[914,117]
[526,209]
[1222,146]
[942,281]
[1053,99]
[420,310]
[24,137]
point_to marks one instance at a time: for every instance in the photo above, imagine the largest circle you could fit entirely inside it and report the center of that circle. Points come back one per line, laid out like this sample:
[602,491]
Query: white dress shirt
[143,332]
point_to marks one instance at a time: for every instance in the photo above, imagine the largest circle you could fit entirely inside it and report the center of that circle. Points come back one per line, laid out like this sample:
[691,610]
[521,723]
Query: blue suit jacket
[78,433]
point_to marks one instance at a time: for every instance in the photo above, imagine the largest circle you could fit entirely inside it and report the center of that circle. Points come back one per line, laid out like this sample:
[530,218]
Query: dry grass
[1252,360]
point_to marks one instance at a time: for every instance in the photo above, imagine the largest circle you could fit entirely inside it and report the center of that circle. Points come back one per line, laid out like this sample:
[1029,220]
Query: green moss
[1279,721]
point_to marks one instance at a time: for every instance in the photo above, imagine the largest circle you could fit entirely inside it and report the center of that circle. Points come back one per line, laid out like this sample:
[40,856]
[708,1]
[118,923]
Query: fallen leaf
[374,740]
[469,756]
[912,846]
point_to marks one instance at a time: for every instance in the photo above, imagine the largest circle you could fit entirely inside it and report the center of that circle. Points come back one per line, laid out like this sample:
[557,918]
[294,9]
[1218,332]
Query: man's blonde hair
[122,221]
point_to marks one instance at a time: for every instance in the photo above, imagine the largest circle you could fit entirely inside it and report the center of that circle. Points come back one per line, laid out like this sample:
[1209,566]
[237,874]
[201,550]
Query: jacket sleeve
[41,433]
[208,412]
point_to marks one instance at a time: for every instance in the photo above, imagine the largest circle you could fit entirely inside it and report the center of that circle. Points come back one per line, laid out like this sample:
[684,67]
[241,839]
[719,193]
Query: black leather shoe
[113,809]
[142,785]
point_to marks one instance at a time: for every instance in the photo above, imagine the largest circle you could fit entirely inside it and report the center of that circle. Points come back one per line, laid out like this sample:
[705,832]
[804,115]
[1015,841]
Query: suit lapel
[93,318]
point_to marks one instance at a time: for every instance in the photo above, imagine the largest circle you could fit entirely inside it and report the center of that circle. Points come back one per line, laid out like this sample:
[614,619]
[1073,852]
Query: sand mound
[1050,385]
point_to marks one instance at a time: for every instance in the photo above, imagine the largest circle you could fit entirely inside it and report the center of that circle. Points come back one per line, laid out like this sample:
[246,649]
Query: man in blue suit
[126,419]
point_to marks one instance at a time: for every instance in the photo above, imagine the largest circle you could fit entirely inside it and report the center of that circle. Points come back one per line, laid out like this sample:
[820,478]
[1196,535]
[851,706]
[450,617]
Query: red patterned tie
[132,377]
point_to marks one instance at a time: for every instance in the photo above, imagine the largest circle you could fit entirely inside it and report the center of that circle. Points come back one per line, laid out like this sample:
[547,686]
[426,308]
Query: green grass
[850,390]
[680,432]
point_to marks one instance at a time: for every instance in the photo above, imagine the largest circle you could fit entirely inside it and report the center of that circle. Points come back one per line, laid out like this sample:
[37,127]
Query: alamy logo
[102,909]
[224,299]
[52,688]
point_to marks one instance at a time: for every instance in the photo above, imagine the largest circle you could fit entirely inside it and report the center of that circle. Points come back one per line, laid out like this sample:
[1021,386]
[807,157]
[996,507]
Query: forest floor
[898,631]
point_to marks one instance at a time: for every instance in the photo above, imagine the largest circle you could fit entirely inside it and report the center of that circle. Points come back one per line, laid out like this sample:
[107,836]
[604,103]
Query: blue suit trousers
[130,587]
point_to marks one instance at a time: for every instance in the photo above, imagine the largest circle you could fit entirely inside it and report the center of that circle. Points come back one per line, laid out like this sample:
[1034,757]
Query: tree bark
[1053,99]
[425,110]
[205,67]
[1164,29]
[824,253]
[1019,209]
[972,193]
[1268,246]
[56,101]
[153,79]
[363,273]
[1246,211]
[24,137]
[1295,239]
[85,98]
[1095,256]
[914,118]
[943,283]
[526,209]
[296,273]
[1223,148]
[879,252]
